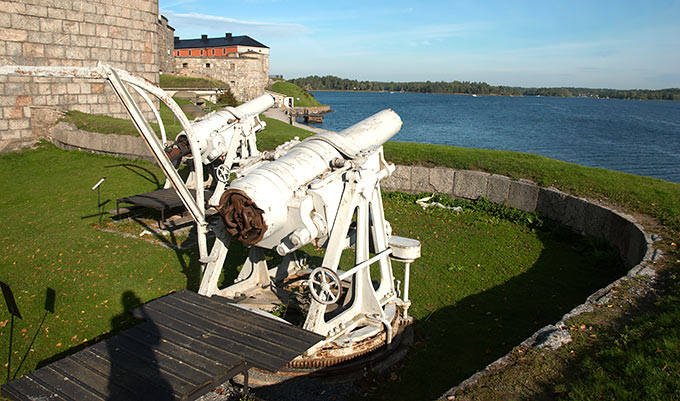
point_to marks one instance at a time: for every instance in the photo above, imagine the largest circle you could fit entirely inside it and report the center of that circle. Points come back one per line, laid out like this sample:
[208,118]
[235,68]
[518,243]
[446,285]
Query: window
[185,65]
[224,51]
[213,52]
[207,65]
[190,52]
[201,52]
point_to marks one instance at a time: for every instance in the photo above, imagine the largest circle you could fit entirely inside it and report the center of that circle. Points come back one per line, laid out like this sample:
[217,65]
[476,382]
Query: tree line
[330,82]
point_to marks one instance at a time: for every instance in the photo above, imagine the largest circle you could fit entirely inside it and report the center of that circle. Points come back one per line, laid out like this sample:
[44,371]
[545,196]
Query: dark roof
[226,40]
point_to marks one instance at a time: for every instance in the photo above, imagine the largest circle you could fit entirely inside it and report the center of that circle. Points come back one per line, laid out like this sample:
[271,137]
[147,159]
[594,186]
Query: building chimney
[228,35]
[204,38]
[176,39]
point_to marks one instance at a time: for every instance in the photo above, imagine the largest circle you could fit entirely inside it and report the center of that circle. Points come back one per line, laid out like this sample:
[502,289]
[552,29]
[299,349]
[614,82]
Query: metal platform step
[187,345]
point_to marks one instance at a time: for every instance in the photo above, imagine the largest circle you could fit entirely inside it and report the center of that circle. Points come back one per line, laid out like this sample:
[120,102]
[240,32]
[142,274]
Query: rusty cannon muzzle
[242,218]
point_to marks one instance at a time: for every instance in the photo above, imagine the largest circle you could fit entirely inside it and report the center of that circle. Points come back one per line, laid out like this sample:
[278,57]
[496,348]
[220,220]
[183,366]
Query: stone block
[596,220]
[19,124]
[470,184]
[87,28]
[523,195]
[56,13]
[73,89]
[420,179]
[14,35]
[551,203]
[574,213]
[5,20]
[400,180]
[55,51]
[50,25]
[498,188]
[36,10]
[25,22]
[14,89]
[441,180]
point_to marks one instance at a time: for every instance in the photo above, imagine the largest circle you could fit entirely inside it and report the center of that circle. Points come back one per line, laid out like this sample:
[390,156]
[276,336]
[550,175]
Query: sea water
[633,136]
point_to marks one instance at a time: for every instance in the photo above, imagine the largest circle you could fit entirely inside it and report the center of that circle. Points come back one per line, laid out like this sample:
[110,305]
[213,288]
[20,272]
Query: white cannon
[324,190]
[225,139]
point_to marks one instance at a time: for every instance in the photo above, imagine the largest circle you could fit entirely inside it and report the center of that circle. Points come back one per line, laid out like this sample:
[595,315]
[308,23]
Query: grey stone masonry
[247,76]
[400,180]
[420,179]
[580,215]
[121,33]
[523,195]
[166,46]
[498,188]
[470,184]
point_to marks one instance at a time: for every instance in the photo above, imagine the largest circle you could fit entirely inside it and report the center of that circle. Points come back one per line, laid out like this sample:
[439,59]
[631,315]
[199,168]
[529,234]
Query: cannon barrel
[255,206]
[214,132]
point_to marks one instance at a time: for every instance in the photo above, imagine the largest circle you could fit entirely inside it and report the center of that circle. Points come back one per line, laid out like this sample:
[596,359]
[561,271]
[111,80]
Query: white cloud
[194,24]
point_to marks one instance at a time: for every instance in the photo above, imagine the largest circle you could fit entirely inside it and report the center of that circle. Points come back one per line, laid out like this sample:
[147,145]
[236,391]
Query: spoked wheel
[325,286]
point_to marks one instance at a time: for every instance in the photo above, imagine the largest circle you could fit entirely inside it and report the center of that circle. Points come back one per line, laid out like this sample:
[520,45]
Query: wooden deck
[187,345]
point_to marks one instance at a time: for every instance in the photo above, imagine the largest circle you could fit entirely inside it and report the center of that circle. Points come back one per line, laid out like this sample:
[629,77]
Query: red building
[227,46]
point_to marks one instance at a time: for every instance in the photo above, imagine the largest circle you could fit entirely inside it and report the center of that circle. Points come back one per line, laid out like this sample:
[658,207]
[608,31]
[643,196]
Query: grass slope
[178,81]
[110,125]
[301,96]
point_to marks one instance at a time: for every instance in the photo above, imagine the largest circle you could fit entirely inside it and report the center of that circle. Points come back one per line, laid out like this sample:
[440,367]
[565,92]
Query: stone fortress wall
[121,33]
[247,75]
[166,46]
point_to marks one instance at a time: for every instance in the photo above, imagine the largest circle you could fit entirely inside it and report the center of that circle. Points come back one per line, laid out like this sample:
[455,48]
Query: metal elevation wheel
[325,286]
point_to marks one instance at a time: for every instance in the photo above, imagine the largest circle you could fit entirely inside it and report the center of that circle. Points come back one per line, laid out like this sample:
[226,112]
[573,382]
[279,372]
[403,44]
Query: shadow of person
[136,367]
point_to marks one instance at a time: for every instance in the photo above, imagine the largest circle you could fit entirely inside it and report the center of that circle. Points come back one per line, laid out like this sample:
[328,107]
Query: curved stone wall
[581,215]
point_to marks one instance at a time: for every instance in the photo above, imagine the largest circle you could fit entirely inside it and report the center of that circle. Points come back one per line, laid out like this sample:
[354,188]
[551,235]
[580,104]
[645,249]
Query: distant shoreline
[330,83]
[489,95]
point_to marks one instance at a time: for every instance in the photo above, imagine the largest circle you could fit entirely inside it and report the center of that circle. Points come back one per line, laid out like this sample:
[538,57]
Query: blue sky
[614,44]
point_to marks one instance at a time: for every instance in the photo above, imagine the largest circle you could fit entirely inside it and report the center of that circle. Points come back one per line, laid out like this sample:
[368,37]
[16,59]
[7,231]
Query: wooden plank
[93,379]
[286,344]
[192,326]
[65,385]
[253,318]
[148,355]
[224,305]
[27,389]
[254,346]
[140,362]
[128,378]
[202,348]
[152,338]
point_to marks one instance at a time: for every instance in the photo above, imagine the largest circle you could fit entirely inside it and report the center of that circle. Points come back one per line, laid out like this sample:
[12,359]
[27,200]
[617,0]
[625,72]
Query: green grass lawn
[301,96]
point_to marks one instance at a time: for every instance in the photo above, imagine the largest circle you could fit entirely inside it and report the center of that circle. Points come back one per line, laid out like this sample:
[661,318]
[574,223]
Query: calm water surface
[639,137]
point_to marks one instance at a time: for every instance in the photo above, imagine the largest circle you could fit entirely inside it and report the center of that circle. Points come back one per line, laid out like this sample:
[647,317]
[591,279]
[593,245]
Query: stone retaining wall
[66,136]
[581,215]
